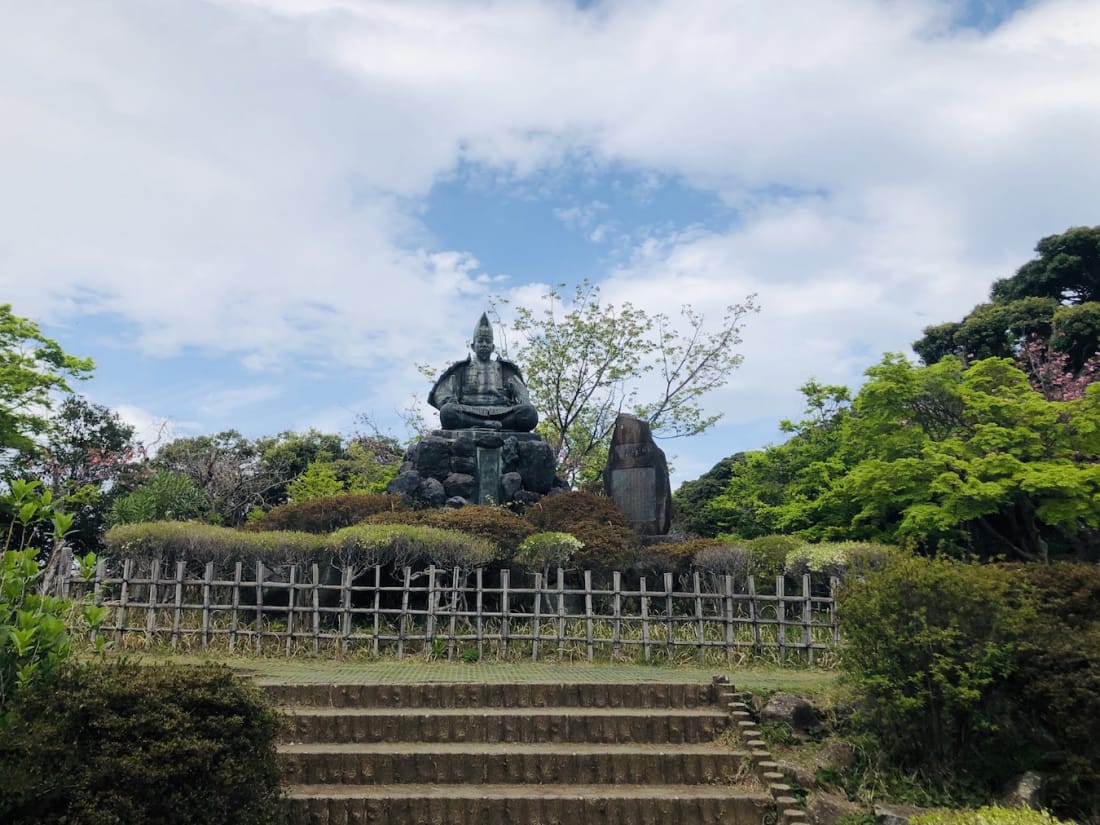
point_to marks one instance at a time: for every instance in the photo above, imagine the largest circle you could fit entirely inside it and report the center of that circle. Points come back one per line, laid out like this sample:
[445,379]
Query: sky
[263,214]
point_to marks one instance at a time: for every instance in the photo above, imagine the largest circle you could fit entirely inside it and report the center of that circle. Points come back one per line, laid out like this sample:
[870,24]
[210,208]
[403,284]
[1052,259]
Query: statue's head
[482,343]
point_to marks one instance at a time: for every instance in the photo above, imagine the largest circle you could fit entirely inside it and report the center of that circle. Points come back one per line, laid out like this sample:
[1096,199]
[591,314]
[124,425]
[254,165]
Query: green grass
[413,670]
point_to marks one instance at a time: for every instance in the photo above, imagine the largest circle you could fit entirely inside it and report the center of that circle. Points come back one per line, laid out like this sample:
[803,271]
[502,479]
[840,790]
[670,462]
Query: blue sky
[262,214]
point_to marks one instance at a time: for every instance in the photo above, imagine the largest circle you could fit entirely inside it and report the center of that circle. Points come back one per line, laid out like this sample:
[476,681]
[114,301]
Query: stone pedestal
[636,477]
[476,466]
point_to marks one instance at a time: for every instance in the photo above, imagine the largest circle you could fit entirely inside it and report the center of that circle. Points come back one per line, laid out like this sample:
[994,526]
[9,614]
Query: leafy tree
[228,471]
[1053,297]
[587,361]
[32,367]
[939,458]
[316,482]
[90,458]
[1067,269]
[776,490]
[968,460]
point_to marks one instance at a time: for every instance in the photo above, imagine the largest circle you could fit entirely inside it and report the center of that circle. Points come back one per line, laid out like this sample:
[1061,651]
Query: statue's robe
[493,391]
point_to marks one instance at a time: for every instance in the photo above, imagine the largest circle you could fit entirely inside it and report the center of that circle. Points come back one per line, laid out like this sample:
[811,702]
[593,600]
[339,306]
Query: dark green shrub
[120,743]
[1056,686]
[324,515]
[770,555]
[500,526]
[609,541]
[929,643]
[654,558]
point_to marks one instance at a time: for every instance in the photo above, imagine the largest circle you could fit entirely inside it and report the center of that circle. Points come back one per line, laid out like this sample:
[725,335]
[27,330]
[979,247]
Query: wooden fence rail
[469,614]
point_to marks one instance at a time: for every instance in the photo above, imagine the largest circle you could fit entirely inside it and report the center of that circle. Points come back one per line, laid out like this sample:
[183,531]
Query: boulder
[790,710]
[825,808]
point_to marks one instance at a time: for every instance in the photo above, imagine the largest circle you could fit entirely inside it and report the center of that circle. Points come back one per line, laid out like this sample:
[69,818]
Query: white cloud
[245,177]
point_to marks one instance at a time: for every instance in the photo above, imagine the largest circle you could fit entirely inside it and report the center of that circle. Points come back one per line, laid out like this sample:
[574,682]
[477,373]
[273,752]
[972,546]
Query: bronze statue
[483,392]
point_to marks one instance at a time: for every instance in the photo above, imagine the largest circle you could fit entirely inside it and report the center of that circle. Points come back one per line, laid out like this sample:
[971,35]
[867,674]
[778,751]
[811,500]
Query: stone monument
[486,452]
[636,477]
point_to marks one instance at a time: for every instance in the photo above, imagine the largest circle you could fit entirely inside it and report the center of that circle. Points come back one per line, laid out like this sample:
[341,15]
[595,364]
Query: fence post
[645,618]
[537,618]
[177,618]
[429,620]
[377,606]
[404,613]
[454,617]
[728,610]
[616,621]
[238,569]
[259,606]
[123,600]
[316,610]
[699,617]
[346,579]
[781,617]
[561,613]
[807,618]
[480,606]
[207,582]
[97,590]
[834,587]
[754,614]
[670,627]
[151,613]
[504,628]
[291,590]
[588,611]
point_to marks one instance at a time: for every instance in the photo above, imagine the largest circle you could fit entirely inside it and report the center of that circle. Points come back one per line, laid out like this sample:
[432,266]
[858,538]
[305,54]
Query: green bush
[609,541]
[400,545]
[324,515]
[502,527]
[1056,686]
[120,743]
[990,815]
[770,555]
[929,644]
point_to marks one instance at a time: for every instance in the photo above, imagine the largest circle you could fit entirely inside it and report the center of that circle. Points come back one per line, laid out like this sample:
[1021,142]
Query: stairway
[515,755]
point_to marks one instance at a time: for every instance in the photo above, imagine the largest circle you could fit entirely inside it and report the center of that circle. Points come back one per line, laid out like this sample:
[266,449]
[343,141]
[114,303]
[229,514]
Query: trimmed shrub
[838,558]
[324,515]
[401,545]
[502,527]
[121,743]
[496,524]
[548,550]
[173,541]
[929,644]
[609,541]
[989,815]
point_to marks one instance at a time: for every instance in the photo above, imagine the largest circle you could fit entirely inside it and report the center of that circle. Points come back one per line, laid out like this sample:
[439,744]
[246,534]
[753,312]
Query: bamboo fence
[459,613]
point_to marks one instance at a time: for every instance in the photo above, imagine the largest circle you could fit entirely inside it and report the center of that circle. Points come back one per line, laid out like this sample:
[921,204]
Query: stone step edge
[523,791]
[475,749]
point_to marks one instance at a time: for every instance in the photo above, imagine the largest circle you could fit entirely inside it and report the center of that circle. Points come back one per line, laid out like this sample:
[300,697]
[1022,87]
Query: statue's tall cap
[483,329]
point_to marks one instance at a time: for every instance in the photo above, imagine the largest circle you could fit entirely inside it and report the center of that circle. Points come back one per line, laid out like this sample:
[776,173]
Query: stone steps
[512,764]
[522,754]
[669,725]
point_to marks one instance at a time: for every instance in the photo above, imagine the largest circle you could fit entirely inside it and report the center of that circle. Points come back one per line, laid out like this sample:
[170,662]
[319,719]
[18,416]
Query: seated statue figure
[482,391]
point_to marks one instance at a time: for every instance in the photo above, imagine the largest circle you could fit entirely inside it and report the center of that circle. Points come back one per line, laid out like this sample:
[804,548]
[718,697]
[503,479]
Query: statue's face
[483,347]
